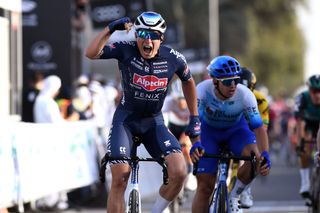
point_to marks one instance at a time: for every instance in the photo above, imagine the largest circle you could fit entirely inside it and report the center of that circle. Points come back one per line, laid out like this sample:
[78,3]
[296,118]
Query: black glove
[118,24]
[102,170]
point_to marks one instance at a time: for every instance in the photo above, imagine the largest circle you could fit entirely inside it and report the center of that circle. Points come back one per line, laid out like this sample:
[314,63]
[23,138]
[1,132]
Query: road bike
[133,204]
[220,198]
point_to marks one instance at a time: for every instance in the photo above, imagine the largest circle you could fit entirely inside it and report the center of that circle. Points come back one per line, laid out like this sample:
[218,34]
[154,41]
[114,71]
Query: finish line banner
[41,159]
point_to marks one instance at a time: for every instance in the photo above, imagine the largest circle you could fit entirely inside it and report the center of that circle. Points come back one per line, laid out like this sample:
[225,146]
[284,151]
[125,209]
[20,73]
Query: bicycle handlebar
[228,156]
[135,159]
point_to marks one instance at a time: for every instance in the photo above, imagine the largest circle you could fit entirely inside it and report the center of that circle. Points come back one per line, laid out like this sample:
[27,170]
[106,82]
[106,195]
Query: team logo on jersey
[122,150]
[167,143]
[178,55]
[150,82]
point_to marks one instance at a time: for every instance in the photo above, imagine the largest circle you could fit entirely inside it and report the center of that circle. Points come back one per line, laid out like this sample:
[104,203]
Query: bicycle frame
[220,195]
[133,204]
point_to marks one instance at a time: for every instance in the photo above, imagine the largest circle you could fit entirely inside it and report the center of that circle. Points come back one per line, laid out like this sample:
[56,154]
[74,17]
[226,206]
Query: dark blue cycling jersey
[145,81]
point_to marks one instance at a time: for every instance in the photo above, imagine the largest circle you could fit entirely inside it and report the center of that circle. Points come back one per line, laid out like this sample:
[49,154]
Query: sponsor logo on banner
[28,6]
[29,16]
[150,82]
[41,51]
[108,13]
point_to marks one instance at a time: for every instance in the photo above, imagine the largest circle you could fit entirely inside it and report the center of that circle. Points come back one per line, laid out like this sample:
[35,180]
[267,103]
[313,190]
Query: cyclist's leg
[159,141]
[304,163]
[206,183]
[120,174]
[119,144]
[207,168]
[191,182]
[304,158]
[179,132]
[242,142]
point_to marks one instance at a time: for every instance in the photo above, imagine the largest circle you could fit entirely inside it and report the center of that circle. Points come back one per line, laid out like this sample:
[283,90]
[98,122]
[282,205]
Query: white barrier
[40,159]
[8,188]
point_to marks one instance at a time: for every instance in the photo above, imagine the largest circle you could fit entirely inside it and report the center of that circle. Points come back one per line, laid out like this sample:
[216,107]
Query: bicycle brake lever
[102,171]
[195,168]
[253,165]
[165,173]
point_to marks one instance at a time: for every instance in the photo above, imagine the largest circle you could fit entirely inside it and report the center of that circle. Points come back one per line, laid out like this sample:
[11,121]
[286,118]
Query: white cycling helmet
[176,89]
[150,21]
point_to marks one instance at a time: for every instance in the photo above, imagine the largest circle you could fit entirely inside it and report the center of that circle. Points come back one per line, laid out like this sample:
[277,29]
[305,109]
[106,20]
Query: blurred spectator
[103,107]
[35,84]
[81,104]
[175,110]
[111,94]
[46,110]
[79,14]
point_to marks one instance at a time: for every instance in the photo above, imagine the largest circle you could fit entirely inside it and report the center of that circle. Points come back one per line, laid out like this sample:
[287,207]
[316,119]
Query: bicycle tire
[315,193]
[222,199]
[134,201]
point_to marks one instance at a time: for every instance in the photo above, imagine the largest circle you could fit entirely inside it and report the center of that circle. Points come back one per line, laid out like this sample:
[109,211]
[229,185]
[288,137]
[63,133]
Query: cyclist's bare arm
[95,47]
[262,139]
[263,145]
[190,94]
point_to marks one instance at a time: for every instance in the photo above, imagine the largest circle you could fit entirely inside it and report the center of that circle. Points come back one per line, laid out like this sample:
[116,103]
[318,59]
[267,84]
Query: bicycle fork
[221,192]
[134,201]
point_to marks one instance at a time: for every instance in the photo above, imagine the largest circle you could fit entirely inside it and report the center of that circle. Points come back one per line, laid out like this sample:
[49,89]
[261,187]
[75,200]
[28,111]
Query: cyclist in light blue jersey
[223,107]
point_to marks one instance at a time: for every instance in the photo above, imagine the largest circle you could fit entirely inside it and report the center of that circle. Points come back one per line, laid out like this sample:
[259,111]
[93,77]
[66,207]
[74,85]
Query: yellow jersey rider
[249,79]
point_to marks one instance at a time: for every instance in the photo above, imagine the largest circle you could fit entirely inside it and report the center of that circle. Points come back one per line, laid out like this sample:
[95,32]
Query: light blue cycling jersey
[227,113]
[224,123]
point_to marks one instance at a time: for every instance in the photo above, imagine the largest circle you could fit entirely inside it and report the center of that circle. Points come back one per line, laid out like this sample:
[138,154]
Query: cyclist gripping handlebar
[224,106]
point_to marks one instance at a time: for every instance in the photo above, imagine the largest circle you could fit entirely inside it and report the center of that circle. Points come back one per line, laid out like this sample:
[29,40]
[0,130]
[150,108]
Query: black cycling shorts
[151,129]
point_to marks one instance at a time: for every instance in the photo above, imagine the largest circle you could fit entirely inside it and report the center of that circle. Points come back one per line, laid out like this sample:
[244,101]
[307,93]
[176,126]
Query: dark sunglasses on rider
[314,90]
[147,34]
[228,81]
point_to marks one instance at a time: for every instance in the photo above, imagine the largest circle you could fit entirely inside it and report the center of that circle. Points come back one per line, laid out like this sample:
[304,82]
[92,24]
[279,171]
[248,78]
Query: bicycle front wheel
[221,200]
[134,201]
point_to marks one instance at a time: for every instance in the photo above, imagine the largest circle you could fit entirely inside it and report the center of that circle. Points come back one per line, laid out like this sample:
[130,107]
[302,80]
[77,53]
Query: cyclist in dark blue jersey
[146,68]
